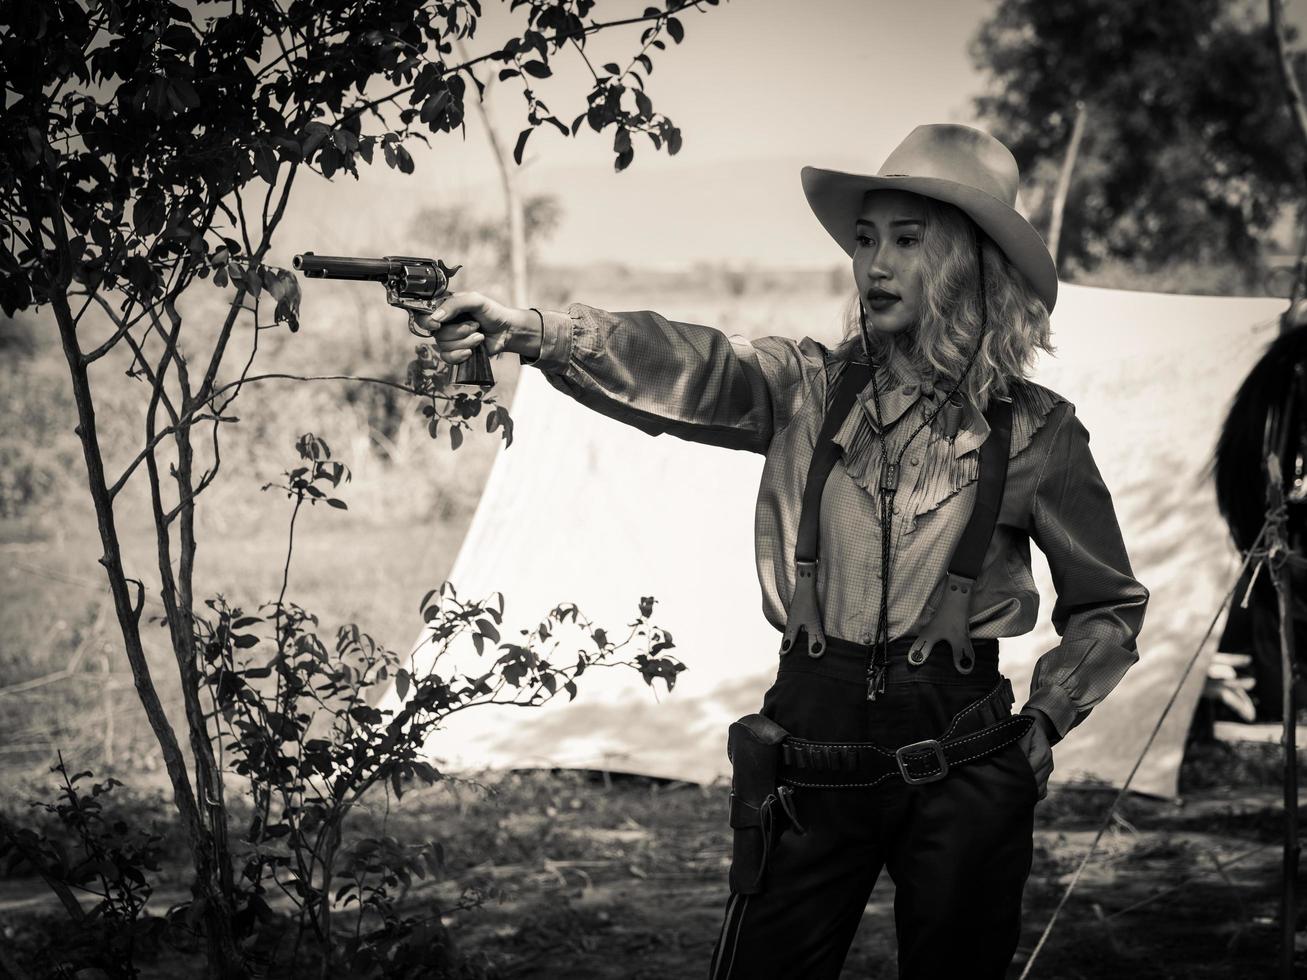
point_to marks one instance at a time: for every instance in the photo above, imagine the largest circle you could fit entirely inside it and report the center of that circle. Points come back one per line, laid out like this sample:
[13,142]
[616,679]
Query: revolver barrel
[345,267]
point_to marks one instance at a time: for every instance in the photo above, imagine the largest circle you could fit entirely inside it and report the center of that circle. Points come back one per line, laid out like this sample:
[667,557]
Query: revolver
[412,284]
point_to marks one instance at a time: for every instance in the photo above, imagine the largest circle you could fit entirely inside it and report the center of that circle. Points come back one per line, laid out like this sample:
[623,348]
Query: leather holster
[753,744]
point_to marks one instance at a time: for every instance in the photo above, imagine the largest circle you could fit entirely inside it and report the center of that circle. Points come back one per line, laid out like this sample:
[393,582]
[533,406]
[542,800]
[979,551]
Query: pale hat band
[955,164]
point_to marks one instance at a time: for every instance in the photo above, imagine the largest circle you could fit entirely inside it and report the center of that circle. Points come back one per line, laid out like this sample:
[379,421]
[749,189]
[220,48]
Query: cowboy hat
[958,165]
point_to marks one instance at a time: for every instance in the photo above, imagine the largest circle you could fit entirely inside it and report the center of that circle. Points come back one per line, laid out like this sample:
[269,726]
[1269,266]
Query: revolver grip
[475,370]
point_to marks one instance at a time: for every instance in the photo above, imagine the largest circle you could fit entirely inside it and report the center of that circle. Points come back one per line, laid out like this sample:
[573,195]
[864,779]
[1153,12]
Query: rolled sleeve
[664,376]
[1100,604]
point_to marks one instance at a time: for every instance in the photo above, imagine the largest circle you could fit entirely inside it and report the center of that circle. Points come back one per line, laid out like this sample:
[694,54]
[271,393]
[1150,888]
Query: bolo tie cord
[889,483]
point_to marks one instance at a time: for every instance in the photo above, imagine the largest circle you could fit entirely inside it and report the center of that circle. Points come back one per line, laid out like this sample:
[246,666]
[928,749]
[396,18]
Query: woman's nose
[878,268]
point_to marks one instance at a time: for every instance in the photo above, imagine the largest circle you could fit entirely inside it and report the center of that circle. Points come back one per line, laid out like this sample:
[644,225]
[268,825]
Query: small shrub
[108,860]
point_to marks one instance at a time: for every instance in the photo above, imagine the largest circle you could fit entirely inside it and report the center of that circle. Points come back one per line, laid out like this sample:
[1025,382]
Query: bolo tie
[889,484]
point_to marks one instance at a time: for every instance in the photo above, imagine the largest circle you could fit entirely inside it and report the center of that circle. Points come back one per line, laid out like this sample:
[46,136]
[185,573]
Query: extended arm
[660,375]
[1100,605]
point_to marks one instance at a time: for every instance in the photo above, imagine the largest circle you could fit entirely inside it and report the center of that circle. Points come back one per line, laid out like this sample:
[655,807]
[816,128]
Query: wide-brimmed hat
[958,165]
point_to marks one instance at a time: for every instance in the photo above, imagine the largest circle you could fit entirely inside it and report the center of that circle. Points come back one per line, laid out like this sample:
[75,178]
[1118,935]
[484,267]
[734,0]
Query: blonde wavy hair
[944,337]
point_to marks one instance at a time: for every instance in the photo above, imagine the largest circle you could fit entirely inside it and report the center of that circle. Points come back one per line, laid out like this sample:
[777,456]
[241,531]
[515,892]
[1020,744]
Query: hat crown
[957,165]
[946,151]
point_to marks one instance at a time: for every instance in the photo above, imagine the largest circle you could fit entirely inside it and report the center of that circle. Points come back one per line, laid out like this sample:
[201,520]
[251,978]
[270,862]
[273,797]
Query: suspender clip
[949,625]
[805,612]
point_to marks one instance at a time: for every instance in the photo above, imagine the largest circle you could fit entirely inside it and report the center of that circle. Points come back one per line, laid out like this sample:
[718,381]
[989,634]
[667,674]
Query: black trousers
[958,850]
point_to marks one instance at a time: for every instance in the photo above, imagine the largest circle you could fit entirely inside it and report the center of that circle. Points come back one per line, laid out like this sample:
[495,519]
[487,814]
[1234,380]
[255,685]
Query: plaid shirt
[769,396]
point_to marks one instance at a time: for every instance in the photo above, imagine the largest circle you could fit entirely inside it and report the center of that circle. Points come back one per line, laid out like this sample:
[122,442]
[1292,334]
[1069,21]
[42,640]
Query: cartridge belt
[976,732]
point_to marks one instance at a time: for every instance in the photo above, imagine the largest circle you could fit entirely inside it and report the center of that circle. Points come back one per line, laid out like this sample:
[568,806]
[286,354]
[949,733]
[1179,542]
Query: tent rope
[1253,552]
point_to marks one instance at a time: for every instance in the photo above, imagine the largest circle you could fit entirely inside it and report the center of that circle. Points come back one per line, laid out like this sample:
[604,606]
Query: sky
[759,88]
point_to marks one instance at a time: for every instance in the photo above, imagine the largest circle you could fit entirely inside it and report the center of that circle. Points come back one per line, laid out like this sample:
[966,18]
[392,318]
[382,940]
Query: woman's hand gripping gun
[412,284]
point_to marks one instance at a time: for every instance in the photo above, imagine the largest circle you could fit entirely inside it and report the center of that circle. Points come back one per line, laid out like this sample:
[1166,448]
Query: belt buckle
[928,743]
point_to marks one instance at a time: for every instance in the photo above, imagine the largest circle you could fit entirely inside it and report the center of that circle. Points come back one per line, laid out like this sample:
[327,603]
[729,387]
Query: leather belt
[976,732]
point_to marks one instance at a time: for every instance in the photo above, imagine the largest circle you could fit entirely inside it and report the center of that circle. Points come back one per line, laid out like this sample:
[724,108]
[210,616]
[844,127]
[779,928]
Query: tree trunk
[1292,93]
[223,960]
[514,212]
[1064,181]
[1281,553]
[1294,101]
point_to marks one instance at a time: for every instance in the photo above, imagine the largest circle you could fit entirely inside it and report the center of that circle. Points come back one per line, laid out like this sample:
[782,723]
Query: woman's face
[887,259]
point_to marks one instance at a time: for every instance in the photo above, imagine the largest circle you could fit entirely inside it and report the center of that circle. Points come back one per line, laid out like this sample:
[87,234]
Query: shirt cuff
[1044,722]
[1057,705]
[555,343]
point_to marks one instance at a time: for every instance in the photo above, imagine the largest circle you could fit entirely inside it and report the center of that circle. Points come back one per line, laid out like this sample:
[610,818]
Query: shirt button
[909,389]
[866,637]
[896,509]
[916,462]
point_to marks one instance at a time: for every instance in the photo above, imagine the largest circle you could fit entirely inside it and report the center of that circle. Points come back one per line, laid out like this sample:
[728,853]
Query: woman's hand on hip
[1038,750]
[476,320]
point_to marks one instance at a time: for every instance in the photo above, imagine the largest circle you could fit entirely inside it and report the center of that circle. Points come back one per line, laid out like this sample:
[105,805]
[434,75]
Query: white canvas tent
[583,509]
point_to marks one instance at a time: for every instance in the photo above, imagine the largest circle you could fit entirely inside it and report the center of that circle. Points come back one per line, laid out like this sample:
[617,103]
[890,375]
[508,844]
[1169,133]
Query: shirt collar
[974,430]
[897,395]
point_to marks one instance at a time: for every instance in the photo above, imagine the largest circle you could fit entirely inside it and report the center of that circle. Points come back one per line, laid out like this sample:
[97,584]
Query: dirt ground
[1186,891]
[597,878]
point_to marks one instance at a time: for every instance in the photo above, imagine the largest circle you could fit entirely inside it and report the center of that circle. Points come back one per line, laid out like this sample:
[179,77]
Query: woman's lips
[880,302]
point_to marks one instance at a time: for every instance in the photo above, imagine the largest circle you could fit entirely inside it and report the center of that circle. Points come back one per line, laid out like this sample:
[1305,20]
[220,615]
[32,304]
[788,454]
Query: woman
[906,472]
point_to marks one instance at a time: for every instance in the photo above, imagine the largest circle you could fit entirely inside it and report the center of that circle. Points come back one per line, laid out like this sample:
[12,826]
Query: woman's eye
[863,240]
[907,241]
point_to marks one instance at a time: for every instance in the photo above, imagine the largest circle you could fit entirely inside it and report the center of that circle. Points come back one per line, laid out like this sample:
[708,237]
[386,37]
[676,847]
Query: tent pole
[1288,904]
[1279,562]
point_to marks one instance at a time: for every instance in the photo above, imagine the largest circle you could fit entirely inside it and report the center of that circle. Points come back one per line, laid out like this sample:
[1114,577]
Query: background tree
[483,236]
[1187,154]
[145,146]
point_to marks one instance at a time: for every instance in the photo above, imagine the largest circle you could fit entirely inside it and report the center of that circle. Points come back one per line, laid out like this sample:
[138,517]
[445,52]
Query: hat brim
[836,200]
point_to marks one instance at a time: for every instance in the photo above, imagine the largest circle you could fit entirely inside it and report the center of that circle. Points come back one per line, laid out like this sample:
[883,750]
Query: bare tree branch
[123,323]
[158,438]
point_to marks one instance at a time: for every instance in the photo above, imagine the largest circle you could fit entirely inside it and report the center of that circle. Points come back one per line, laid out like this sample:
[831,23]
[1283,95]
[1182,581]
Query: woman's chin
[888,323]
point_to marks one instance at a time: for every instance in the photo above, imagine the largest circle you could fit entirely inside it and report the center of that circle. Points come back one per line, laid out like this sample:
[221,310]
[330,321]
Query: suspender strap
[949,625]
[970,552]
[971,548]
[805,609]
[853,379]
